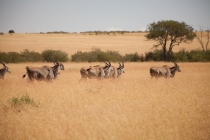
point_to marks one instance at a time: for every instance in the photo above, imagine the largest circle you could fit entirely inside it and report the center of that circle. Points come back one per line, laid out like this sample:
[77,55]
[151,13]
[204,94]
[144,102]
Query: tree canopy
[170,31]
[11,31]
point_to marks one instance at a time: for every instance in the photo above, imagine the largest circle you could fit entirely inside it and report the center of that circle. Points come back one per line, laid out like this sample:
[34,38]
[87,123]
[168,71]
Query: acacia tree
[171,33]
[200,39]
[11,31]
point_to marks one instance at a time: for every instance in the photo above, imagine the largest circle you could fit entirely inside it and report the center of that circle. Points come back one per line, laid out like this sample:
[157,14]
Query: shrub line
[97,55]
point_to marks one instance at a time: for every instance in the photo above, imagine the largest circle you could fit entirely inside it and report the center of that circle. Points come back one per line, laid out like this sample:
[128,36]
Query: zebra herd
[47,73]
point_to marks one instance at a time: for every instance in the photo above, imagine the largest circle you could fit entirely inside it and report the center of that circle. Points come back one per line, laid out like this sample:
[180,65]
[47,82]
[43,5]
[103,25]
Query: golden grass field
[131,107]
[71,43]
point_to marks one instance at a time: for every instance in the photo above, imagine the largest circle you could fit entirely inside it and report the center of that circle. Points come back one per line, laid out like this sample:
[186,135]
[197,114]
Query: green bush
[133,57]
[11,57]
[198,56]
[207,55]
[156,55]
[3,56]
[31,56]
[96,55]
[78,56]
[192,56]
[23,100]
[25,56]
[51,55]
[180,56]
[114,56]
[15,57]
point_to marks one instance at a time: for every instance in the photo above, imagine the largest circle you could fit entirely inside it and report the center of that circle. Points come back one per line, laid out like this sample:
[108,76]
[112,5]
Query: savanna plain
[133,106]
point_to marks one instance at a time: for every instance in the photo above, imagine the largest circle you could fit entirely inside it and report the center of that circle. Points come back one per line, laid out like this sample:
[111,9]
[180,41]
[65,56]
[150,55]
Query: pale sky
[98,15]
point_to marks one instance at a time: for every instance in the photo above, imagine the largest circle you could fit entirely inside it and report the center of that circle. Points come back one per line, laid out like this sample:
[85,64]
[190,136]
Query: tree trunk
[169,53]
[164,52]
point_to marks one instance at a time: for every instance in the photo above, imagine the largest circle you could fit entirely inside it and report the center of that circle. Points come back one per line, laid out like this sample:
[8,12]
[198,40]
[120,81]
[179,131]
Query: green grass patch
[24,100]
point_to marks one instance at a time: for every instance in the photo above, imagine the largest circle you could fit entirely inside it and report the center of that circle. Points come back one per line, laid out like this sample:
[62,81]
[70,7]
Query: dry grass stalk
[132,107]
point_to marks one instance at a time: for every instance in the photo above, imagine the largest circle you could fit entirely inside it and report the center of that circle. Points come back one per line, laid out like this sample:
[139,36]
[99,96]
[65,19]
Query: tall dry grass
[131,107]
[71,43]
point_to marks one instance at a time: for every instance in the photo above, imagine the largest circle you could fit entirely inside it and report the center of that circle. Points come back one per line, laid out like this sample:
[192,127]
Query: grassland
[131,107]
[71,43]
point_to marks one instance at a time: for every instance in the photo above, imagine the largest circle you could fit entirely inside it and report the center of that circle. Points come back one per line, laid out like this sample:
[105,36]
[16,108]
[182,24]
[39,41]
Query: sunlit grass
[131,107]
[71,43]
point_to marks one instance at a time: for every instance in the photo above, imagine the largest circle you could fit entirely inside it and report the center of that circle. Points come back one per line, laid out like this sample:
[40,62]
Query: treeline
[57,32]
[108,32]
[97,55]
[88,32]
